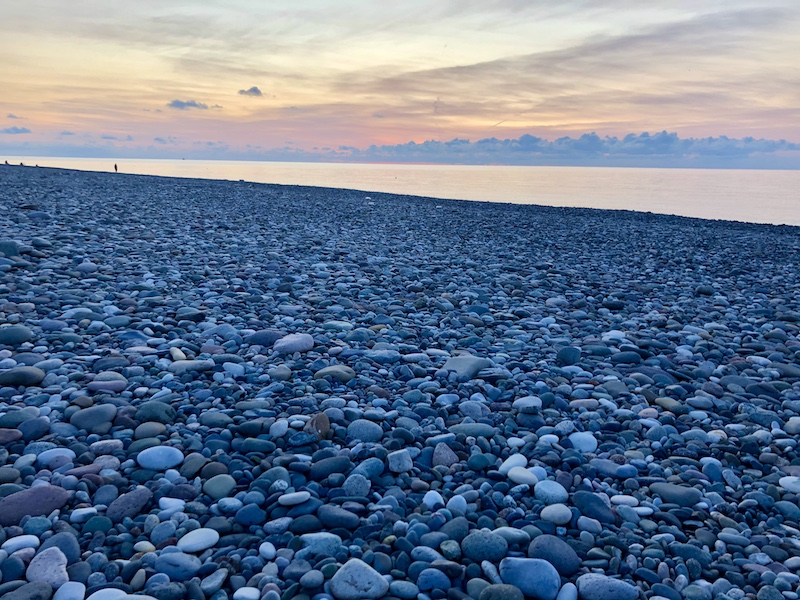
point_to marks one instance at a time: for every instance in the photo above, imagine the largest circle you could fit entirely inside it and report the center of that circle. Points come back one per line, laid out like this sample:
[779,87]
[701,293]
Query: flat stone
[294,342]
[198,540]
[340,373]
[535,578]
[399,461]
[466,366]
[22,376]
[35,501]
[95,419]
[583,441]
[160,458]
[365,431]
[14,335]
[178,566]
[49,566]
[129,504]
[557,552]
[594,586]
[677,494]
[219,486]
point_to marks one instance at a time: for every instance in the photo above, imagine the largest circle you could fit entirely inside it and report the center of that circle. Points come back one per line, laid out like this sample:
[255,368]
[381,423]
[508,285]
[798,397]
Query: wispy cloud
[253,91]
[15,130]
[13,116]
[124,138]
[187,104]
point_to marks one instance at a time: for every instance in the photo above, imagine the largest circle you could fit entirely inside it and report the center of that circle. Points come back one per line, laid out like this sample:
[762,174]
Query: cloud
[15,130]
[67,133]
[645,149]
[253,91]
[13,116]
[165,140]
[187,104]
[126,138]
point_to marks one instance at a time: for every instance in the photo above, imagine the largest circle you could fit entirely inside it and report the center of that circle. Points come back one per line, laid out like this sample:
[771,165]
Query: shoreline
[392,195]
[695,194]
[219,389]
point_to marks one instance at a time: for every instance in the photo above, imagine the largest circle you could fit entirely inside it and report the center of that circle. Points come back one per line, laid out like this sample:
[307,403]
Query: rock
[25,376]
[14,335]
[583,441]
[159,458]
[483,545]
[108,381]
[294,342]
[557,552]
[340,373]
[72,590]
[219,486]
[400,461]
[129,504]
[178,566]
[501,591]
[594,586]
[443,456]
[560,514]
[48,566]
[568,356]
[198,540]
[466,366]
[95,419]
[535,578]
[593,506]
[550,492]
[38,500]
[356,580]
[37,590]
[365,431]
[677,494]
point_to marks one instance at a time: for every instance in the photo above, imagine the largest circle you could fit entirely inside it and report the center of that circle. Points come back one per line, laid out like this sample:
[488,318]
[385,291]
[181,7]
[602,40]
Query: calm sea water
[738,195]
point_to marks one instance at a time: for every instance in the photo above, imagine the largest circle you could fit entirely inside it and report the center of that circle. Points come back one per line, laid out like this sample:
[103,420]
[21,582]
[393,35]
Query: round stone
[219,486]
[535,578]
[560,514]
[160,458]
[521,475]
[583,441]
[550,492]
[483,545]
[595,586]
[364,431]
[14,335]
[198,540]
[557,552]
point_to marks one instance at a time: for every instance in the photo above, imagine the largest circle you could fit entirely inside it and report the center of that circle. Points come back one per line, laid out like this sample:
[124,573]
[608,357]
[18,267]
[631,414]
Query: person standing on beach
[115,168]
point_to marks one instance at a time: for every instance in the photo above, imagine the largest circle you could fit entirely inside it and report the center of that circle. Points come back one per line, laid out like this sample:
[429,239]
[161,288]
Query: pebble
[198,540]
[535,578]
[160,458]
[356,580]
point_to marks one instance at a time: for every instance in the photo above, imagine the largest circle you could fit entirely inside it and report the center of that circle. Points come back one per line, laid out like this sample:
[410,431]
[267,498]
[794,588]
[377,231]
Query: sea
[755,196]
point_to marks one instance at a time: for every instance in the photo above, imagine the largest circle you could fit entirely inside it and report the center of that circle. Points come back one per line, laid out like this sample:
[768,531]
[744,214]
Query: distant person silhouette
[115,168]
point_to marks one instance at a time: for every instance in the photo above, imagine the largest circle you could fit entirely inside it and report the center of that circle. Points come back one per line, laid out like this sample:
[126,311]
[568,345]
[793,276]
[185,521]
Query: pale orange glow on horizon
[169,76]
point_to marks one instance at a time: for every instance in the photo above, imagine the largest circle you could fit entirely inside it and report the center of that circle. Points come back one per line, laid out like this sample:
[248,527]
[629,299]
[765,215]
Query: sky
[714,81]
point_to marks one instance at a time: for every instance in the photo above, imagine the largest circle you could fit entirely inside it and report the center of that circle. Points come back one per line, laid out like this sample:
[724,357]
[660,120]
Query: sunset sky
[239,78]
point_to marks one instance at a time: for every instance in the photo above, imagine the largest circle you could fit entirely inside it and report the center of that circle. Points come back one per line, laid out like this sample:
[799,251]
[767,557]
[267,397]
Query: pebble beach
[221,390]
